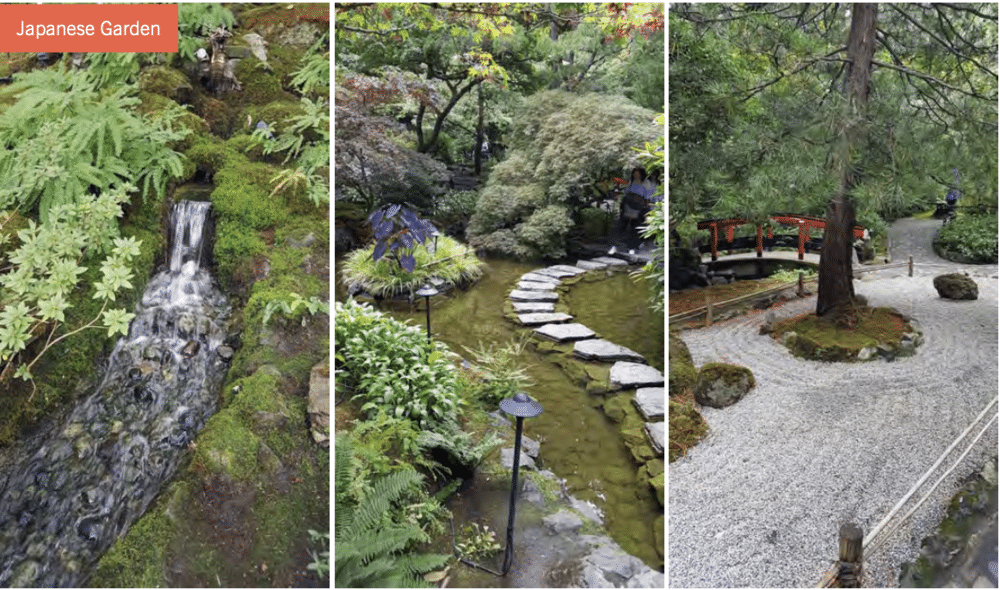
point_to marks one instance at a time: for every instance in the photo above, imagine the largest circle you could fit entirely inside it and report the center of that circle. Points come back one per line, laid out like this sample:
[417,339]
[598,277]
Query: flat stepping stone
[518,295]
[626,375]
[649,400]
[602,350]
[534,276]
[564,332]
[655,432]
[555,273]
[534,286]
[610,261]
[529,307]
[535,319]
[574,270]
[591,264]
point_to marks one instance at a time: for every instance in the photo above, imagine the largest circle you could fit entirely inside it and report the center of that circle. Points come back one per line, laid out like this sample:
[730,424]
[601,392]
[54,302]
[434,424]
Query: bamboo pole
[851,537]
[708,314]
[911,266]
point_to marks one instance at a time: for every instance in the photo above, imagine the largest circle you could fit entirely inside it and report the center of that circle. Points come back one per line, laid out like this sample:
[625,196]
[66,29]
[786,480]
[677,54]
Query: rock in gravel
[956,286]
[721,385]
[769,321]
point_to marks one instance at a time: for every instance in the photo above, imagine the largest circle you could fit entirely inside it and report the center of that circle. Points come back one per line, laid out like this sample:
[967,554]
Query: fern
[370,550]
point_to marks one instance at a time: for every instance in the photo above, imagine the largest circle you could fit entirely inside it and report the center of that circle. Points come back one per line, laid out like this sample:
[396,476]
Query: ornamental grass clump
[453,262]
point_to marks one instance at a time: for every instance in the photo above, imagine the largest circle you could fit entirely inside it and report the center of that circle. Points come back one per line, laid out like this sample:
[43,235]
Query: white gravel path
[759,501]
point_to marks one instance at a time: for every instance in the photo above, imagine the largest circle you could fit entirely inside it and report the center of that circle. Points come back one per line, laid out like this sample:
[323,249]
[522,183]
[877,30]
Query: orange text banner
[118,28]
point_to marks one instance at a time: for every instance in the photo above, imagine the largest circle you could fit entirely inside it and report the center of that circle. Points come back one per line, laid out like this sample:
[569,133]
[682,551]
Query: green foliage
[194,22]
[45,270]
[969,239]
[306,142]
[370,550]
[391,365]
[313,75]
[563,145]
[476,542]
[242,194]
[291,309]
[107,70]
[503,373]
[453,262]
[235,249]
[456,205]
[321,562]
[98,140]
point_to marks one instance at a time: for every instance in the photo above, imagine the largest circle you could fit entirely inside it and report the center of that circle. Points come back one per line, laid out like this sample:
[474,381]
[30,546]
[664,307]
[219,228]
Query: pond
[578,442]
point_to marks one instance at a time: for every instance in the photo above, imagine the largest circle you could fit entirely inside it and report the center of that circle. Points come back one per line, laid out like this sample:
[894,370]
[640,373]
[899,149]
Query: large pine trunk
[836,289]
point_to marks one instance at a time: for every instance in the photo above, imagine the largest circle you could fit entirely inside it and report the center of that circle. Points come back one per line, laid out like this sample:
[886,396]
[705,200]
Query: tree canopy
[757,109]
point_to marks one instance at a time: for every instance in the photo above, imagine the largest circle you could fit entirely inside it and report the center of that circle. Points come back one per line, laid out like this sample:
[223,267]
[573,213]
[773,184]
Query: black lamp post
[435,233]
[521,406]
[427,291]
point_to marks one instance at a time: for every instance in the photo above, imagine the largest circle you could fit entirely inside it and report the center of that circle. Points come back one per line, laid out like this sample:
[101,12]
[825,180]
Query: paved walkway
[758,502]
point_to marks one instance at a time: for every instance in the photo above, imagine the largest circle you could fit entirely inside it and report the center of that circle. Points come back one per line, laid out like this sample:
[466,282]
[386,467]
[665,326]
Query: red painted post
[760,241]
[802,239]
[715,242]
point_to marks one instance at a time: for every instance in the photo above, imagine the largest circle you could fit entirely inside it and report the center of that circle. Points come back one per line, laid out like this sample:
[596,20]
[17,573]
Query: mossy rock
[223,119]
[298,28]
[260,84]
[167,82]
[658,528]
[687,427]
[721,384]
[683,375]
[616,407]
[956,286]
[278,114]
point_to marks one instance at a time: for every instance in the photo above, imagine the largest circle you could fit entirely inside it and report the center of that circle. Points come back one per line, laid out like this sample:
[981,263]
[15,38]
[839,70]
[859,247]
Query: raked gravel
[759,501]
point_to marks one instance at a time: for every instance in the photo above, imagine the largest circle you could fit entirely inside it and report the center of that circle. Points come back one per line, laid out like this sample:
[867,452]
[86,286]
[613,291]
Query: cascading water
[66,502]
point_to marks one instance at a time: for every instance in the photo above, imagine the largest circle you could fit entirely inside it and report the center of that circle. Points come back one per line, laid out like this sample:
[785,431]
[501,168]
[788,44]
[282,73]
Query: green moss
[277,114]
[729,374]
[687,427]
[260,84]
[226,447]
[165,81]
[242,194]
[135,560]
[234,252]
[827,339]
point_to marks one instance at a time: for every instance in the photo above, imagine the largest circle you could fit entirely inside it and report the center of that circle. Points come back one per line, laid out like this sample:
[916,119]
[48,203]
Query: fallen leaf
[436,576]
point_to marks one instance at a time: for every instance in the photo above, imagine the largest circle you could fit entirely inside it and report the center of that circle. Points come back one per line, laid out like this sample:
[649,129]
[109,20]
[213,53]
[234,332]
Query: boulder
[721,385]
[867,353]
[319,403]
[507,460]
[530,447]
[956,286]
[769,321]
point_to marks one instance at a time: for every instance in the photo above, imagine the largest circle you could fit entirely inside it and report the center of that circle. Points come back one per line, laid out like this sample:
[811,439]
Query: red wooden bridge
[804,223]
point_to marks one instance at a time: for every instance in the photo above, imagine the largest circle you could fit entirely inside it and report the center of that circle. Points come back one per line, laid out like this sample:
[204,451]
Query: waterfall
[64,503]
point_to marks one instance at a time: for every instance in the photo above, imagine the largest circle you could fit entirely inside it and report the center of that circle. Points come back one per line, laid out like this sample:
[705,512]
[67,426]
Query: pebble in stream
[63,504]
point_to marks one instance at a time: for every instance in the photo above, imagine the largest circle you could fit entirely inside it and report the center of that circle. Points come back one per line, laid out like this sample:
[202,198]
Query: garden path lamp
[520,406]
[427,291]
[435,233]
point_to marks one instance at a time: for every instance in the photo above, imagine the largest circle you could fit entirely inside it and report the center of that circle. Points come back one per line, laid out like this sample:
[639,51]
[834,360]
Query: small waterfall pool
[65,501]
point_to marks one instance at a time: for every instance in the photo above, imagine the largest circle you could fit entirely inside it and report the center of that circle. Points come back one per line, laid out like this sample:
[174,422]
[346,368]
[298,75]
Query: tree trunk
[479,132]
[835,282]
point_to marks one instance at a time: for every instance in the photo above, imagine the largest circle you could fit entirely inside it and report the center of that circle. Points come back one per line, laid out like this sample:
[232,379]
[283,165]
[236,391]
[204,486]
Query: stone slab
[556,273]
[591,264]
[518,295]
[626,375]
[564,332]
[563,522]
[536,307]
[610,261]
[534,286]
[507,460]
[602,350]
[574,270]
[534,276]
[536,319]
[655,432]
[650,402]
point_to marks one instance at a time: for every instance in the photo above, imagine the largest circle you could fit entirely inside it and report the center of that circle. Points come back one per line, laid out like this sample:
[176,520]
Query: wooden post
[802,285]
[849,564]
[911,266]
[708,311]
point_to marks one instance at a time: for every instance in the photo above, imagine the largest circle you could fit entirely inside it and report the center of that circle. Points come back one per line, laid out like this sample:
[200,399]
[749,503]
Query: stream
[578,442]
[79,487]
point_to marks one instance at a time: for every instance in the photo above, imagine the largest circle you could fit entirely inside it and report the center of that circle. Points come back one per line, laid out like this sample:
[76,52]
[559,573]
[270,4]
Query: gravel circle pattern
[759,501]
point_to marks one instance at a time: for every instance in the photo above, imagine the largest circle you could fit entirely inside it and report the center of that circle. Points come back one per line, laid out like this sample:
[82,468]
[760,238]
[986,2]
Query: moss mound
[687,427]
[683,375]
[840,336]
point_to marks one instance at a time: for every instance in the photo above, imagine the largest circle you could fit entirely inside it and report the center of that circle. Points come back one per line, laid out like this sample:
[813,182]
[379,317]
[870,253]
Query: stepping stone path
[534,301]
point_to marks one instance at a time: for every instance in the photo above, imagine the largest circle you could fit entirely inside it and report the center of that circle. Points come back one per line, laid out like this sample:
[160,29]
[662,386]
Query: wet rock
[602,350]
[650,402]
[507,460]
[587,509]
[25,574]
[150,353]
[540,307]
[626,375]
[191,348]
[519,295]
[608,566]
[535,319]
[956,286]
[540,278]
[530,492]
[655,431]
[531,447]
[610,261]
[572,270]
[319,403]
[591,264]
[225,353]
[563,522]
[534,286]
[559,273]
[89,530]
[564,332]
